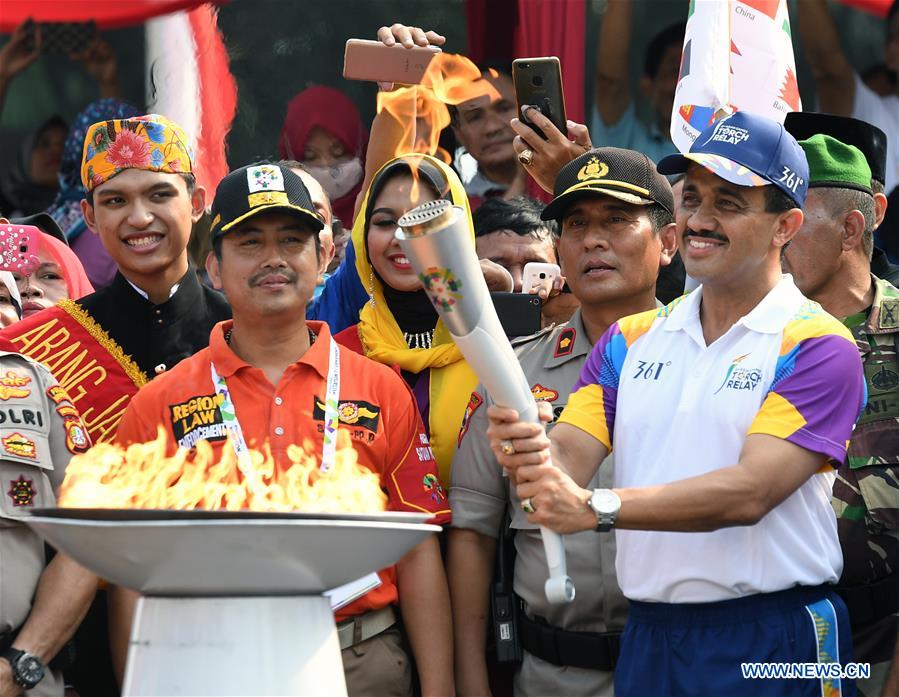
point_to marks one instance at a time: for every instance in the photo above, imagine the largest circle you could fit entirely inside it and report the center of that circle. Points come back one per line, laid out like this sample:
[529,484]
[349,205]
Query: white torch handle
[438,241]
[495,362]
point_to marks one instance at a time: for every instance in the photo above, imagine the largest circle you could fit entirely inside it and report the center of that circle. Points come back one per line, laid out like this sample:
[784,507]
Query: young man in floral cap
[142,200]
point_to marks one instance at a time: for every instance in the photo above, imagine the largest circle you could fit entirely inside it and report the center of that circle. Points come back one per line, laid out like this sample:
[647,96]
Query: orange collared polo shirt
[384,424]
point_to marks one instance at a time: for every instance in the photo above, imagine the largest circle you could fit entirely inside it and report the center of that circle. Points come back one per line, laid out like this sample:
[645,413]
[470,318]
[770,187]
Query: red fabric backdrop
[500,30]
[875,7]
[108,14]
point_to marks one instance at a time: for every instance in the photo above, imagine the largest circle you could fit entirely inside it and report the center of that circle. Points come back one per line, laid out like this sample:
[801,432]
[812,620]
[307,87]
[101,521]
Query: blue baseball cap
[747,150]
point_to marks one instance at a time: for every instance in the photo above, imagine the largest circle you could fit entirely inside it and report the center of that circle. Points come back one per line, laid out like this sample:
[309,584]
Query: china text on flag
[738,54]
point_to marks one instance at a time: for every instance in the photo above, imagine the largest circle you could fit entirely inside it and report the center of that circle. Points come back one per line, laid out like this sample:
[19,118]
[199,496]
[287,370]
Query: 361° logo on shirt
[650,370]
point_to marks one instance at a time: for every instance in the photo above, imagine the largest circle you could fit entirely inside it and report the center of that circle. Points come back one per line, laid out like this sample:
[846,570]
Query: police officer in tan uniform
[41,604]
[616,221]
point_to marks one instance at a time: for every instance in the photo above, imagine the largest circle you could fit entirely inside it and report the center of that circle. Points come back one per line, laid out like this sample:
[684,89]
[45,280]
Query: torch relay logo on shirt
[739,378]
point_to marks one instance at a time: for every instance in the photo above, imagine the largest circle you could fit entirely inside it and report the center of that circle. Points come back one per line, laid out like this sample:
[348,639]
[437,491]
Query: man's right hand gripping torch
[437,239]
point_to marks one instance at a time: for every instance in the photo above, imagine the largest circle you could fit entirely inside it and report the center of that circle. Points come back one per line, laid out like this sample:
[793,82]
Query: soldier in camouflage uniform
[610,251]
[830,260]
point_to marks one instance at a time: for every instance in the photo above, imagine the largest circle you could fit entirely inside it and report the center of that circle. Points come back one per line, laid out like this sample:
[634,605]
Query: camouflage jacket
[866,492]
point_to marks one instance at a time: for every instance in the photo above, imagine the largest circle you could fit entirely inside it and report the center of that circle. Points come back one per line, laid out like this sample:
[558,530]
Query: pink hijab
[76,278]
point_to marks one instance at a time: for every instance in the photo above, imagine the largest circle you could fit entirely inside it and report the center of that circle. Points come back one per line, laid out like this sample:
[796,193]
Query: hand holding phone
[18,248]
[374,61]
[548,157]
[538,83]
[540,278]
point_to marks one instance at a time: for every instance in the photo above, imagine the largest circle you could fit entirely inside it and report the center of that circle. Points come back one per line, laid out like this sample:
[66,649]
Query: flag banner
[97,375]
[738,55]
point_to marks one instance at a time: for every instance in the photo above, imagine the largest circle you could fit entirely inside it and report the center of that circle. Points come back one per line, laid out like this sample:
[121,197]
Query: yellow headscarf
[451,379]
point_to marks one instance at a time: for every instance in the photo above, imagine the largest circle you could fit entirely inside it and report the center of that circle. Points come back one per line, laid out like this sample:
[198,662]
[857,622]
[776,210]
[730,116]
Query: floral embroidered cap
[150,142]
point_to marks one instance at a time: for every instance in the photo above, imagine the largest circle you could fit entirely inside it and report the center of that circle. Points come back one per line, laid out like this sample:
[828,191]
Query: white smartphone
[539,273]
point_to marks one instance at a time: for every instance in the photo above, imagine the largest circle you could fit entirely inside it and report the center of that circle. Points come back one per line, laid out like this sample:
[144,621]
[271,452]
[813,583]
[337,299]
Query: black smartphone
[519,313]
[538,82]
[61,38]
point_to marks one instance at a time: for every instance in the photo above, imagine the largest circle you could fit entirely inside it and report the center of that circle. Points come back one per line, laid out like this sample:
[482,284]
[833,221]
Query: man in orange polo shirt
[265,378]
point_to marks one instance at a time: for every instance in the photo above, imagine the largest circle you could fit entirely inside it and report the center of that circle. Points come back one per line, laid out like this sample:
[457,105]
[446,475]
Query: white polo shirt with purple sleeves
[673,408]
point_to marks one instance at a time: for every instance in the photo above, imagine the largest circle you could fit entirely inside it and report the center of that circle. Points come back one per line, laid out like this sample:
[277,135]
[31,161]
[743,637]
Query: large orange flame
[420,111]
[143,476]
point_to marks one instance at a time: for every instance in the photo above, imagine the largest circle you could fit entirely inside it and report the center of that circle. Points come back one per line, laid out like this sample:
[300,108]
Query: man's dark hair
[659,217]
[776,201]
[520,215]
[892,12]
[190,181]
[659,44]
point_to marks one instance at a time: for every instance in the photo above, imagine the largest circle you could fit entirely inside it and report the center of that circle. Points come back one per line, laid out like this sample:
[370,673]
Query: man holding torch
[726,409]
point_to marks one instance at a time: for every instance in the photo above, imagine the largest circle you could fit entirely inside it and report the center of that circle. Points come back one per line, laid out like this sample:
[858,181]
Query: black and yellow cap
[260,188]
[627,175]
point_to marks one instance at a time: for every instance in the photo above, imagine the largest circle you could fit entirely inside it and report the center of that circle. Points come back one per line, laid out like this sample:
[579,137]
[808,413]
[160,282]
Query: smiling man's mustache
[708,234]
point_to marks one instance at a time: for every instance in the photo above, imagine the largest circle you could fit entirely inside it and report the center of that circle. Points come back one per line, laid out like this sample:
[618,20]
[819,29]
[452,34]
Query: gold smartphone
[375,62]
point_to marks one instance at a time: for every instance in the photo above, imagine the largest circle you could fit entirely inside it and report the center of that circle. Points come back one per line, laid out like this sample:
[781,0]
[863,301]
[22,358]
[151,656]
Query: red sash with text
[93,369]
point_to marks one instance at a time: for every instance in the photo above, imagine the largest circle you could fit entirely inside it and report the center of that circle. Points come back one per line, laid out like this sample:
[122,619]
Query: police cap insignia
[594,169]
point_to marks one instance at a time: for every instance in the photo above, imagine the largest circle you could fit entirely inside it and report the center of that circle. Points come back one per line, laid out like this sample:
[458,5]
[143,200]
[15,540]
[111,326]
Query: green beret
[836,165]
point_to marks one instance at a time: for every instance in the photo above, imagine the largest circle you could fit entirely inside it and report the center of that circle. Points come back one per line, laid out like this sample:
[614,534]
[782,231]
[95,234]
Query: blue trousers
[701,648]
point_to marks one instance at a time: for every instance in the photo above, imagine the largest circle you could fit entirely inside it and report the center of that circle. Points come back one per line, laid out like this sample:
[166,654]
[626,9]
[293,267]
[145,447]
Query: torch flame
[143,476]
[421,110]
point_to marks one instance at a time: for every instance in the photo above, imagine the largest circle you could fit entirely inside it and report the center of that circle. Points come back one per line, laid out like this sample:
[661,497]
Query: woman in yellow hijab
[398,325]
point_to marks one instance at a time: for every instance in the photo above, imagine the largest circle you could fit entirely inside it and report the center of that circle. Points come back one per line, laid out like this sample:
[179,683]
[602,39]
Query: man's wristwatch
[605,504]
[27,669]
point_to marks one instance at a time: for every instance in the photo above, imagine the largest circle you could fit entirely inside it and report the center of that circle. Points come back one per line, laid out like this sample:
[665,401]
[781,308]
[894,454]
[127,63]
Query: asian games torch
[436,238]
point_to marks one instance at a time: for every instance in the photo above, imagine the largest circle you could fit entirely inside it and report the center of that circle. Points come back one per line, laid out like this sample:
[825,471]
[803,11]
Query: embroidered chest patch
[17,444]
[14,386]
[198,418]
[544,394]
[352,413]
[22,491]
